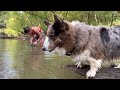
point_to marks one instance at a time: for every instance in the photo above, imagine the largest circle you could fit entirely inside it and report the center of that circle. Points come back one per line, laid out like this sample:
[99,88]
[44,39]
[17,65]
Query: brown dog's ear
[47,22]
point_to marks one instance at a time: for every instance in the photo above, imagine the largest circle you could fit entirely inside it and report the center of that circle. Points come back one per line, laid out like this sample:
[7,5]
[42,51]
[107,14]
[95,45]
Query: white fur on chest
[85,59]
[82,58]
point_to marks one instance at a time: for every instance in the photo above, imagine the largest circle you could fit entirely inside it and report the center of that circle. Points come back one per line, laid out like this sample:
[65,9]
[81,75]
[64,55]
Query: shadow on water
[21,61]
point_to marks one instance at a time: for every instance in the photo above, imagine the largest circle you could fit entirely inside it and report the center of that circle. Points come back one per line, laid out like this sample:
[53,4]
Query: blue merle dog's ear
[47,22]
[59,24]
[57,19]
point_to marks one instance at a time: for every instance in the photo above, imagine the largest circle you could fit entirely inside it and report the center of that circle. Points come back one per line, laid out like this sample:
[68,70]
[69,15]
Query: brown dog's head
[58,35]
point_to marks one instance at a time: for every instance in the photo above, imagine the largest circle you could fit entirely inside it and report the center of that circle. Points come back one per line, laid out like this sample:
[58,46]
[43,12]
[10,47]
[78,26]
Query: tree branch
[36,15]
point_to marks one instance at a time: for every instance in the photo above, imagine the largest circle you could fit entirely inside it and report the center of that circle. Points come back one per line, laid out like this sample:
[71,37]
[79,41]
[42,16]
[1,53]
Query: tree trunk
[112,19]
[95,16]
[88,17]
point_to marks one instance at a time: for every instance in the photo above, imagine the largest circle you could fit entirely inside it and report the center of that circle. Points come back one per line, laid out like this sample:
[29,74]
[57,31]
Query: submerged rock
[103,73]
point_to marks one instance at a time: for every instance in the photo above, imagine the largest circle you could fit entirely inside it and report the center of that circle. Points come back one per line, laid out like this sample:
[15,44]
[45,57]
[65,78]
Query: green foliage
[16,20]
[11,32]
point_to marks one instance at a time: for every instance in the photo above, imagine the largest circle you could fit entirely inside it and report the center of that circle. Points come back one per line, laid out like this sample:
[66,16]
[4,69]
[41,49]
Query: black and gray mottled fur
[102,42]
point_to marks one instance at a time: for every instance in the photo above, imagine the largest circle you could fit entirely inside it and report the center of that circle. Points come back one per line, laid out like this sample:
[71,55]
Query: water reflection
[21,61]
[8,60]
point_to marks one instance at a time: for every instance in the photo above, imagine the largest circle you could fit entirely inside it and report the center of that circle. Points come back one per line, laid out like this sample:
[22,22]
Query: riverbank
[12,37]
[103,73]
[8,37]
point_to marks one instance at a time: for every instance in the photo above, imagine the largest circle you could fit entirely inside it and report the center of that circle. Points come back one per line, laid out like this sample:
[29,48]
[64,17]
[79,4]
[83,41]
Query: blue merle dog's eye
[52,36]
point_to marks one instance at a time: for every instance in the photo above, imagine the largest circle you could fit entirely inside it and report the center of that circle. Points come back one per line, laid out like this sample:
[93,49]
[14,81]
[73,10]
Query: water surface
[18,60]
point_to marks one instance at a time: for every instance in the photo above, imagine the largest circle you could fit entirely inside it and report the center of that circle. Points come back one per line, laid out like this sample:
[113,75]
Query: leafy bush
[11,32]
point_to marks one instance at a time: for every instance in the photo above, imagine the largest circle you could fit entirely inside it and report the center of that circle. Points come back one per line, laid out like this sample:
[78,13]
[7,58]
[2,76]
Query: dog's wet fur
[86,44]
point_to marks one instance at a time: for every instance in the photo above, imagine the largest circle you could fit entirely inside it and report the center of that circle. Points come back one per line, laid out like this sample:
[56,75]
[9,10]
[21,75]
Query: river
[18,60]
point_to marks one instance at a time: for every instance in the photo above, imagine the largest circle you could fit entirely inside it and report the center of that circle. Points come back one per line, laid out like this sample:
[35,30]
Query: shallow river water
[18,60]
